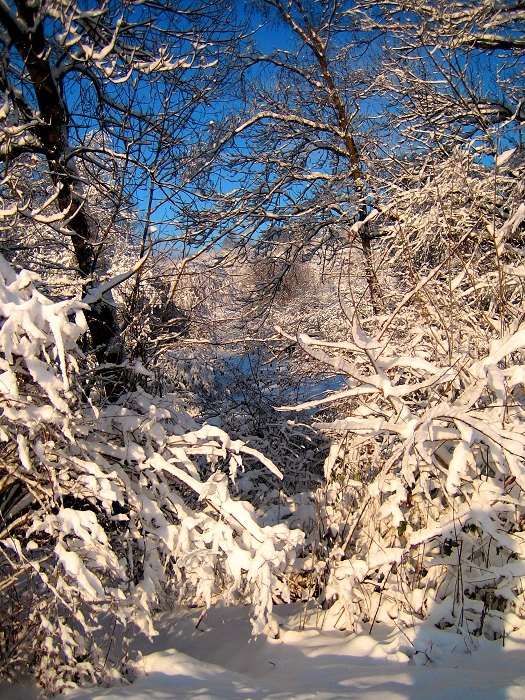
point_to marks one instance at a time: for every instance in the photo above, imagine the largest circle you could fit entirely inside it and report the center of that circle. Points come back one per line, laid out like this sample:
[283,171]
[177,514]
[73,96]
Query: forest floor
[222,661]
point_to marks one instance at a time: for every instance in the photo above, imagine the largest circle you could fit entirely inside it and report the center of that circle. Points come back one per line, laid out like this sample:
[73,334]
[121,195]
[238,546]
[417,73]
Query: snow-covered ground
[222,661]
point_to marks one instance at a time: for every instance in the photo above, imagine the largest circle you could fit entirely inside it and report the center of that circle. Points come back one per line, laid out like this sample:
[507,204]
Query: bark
[371,277]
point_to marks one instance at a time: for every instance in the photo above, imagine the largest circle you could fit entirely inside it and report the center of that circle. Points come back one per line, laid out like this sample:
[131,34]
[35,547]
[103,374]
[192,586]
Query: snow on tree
[135,74]
[111,510]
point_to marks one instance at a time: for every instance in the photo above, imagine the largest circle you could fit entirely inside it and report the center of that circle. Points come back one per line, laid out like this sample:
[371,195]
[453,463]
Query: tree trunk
[52,133]
[371,278]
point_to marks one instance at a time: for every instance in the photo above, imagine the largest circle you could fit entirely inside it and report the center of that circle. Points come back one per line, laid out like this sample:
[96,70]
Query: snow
[502,158]
[222,661]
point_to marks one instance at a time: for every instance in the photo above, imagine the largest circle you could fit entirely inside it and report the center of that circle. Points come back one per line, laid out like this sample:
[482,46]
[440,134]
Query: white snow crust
[221,660]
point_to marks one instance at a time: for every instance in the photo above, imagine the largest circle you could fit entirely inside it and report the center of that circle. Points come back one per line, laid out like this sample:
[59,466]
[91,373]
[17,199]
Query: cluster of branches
[106,129]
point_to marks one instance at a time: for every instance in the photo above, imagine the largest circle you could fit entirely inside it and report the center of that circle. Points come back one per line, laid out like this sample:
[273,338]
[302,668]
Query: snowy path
[221,661]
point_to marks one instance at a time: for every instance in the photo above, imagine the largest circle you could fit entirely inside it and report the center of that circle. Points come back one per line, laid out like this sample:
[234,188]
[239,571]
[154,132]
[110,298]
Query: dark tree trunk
[52,134]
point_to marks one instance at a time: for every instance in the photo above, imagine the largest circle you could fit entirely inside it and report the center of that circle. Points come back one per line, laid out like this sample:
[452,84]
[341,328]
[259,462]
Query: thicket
[308,386]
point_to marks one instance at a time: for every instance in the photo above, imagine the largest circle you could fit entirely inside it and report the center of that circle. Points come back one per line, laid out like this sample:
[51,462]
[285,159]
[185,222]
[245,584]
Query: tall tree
[139,76]
[298,152]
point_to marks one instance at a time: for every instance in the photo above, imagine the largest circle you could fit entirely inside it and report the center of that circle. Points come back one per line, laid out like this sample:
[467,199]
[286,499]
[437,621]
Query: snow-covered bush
[452,241]
[422,514]
[109,511]
[421,517]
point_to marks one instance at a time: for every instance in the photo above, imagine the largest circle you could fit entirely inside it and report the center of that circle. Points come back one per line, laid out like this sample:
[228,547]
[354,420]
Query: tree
[407,483]
[107,512]
[297,154]
[451,75]
[452,70]
[137,74]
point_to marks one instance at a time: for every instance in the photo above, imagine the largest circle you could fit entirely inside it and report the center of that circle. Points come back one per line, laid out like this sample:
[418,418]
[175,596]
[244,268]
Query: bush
[421,517]
[109,511]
